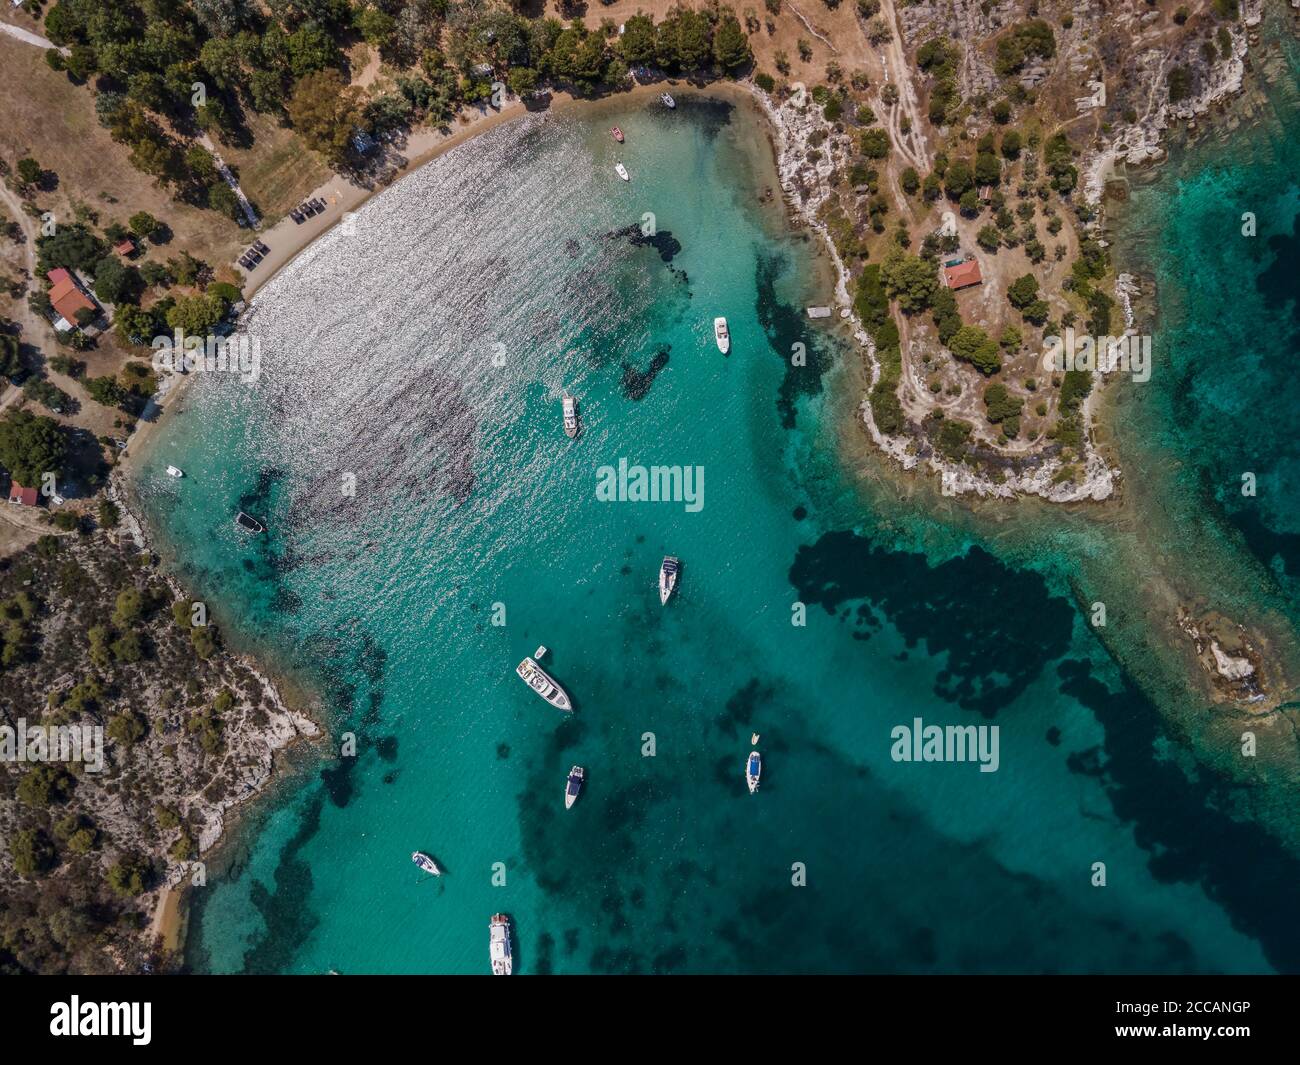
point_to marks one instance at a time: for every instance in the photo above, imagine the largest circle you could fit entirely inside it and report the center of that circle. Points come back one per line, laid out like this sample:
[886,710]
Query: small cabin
[20,496]
[963,275]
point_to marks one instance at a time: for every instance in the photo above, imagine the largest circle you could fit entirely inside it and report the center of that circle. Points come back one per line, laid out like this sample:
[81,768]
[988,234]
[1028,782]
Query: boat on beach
[722,335]
[573,786]
[571,425]
[425,862]
[251,524]
[668,100]
[499,945]
[543,684]
[617,134]
[753,770]
[621,170]
[668,572]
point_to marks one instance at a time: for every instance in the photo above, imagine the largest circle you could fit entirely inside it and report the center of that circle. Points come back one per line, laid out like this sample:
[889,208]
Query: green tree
[32,851]
[730,45]
[909,279]
[874,143]
[1023,291]
[324,111]
[971,344]
[143,224]
[31,445]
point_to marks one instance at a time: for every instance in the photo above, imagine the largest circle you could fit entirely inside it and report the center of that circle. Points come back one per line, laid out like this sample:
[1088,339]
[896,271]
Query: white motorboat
[753,770]
[722,335]
[668,572]
[621,171]
[543,684]
[499,945]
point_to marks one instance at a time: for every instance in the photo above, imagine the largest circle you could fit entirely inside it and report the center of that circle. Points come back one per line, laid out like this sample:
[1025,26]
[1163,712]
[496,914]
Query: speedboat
[721,335]
[499,945]
[753,769]
[543,684]
[617,134]
[571,789]
[251,524]
[175,471]
[668,100]
[668,577]
[571,426]
[425,862]
[621,170]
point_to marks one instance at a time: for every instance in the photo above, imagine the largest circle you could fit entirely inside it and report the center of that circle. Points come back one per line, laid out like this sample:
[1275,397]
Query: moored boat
[244,521]
[571,425]
[668,100]
[175,471]
[573,786]
[722,335]
[668,572]
[753,770]
[617,134]
[499,945]
[425,862]
[621,170]
[543,684]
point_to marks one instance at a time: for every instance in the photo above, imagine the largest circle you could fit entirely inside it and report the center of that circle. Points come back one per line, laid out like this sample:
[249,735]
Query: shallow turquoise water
[378,358]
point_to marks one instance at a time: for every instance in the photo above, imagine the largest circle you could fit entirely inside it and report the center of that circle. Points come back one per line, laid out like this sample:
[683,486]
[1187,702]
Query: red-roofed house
[20,496]
[125,246]
[963,275]
[67,299]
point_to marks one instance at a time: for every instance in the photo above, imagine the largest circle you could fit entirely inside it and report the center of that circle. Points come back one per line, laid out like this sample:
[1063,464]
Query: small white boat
[621,170]
[668,100]
[753,770]
[722,335]
[499,945]
[246,521]
[175,471]
[571,426]
[753,739]
[425,862]
[668,572]
[543,684]
[573,786]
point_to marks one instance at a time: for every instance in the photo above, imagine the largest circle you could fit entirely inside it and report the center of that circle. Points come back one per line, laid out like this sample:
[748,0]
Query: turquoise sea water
[426,355]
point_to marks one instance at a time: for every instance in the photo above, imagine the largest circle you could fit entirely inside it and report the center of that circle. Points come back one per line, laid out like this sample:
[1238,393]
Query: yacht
[721,335]
[668,100]
[543,684]
[571,426]
[668,577]
[175,471]
[425,862]
[621,170]
[251,524]
[753,769]
[576,776]
[499,945]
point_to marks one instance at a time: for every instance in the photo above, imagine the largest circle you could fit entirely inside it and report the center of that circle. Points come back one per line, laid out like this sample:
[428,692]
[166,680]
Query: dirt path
[911,145]
[28,320]
[27,37]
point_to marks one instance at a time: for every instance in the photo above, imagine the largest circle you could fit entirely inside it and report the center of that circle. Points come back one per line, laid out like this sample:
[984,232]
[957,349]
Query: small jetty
[818,312]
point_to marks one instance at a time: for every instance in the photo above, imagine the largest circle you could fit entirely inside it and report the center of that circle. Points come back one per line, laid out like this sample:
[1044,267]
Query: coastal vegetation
[91,635]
